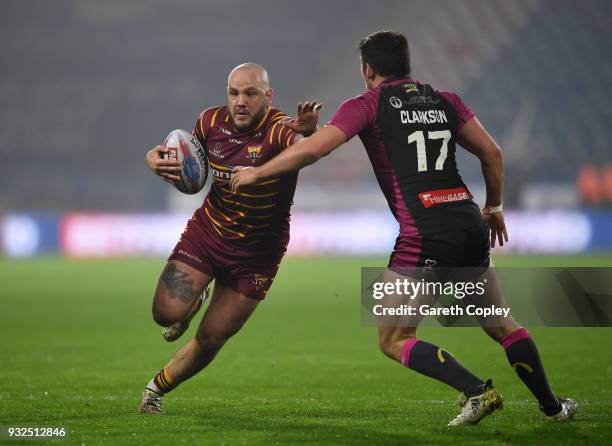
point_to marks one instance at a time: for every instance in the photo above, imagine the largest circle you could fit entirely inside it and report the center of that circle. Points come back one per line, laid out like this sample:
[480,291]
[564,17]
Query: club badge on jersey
[254,154]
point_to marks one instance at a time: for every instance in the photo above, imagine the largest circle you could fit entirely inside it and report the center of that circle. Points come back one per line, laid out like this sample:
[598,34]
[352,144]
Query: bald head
[251,71]
[249,95]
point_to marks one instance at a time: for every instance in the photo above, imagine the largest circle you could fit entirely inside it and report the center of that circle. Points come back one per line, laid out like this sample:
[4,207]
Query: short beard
[257,117]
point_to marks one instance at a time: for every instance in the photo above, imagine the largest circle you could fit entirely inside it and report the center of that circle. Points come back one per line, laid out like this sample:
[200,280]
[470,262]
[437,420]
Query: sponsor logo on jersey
[430,263]
[224,130]
[216,150]
[235,141]
[191,256]
[423,100]
[260,281]
[395,102]
[409,87]
[254,153]
[440,196]
[221,175]
[423,117]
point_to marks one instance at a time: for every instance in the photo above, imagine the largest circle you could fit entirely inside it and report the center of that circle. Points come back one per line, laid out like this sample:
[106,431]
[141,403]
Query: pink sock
[406,349]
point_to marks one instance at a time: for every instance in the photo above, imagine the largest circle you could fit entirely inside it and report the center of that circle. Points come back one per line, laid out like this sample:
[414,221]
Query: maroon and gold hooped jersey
[257,216]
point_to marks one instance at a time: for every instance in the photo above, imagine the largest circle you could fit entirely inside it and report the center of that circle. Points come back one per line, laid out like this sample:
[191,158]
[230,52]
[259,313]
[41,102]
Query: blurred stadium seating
[87,87]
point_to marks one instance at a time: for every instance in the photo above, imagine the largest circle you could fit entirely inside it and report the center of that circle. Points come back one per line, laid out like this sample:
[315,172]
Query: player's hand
[167,169]
[243,176]
[307,118]
[497,225]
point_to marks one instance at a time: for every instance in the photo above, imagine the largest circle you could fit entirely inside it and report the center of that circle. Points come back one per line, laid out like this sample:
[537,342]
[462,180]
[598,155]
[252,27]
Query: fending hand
[307,118]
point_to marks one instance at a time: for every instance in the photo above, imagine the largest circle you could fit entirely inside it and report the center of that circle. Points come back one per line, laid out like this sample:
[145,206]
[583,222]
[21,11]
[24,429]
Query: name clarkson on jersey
[422,117]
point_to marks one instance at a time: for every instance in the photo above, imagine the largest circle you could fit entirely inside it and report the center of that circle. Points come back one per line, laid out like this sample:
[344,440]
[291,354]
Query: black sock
[437,363]
[524,358]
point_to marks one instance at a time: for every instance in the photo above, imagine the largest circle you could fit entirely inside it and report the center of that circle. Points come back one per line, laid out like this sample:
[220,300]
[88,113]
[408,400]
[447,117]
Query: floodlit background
[87,87]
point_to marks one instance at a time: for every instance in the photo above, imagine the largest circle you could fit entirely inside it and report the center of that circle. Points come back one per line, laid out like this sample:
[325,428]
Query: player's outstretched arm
[474,138]
[306,118]
[300,154]
[167,169]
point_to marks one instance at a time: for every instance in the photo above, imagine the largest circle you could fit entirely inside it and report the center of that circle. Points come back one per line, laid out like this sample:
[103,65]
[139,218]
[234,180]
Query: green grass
[78,345]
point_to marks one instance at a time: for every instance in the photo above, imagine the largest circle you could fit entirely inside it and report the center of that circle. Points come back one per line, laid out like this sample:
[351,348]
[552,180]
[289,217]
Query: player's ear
[269,96]
[369,72]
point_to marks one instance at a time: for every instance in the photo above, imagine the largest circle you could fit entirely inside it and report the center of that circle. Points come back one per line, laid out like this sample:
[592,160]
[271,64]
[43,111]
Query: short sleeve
[281,136]
[204,122]
[464,113]
[198,130]
[354,115]
[285,137]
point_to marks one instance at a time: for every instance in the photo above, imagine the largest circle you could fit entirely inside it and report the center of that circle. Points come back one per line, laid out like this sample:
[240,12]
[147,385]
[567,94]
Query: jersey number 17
[419,138]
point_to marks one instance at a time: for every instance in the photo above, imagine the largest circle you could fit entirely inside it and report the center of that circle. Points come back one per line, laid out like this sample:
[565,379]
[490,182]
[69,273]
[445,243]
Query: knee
[499,333]
[385,346]
[165,316]
[161,318]
[391,345]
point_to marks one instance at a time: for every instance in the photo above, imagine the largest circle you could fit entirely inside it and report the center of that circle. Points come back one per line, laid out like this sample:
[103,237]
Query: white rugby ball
[185,148]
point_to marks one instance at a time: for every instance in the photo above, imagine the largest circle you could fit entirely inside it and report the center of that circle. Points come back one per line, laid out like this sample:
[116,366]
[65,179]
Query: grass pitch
[78,345]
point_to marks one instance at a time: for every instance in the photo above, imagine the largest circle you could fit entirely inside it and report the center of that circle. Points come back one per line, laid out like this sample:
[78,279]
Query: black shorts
[460,248]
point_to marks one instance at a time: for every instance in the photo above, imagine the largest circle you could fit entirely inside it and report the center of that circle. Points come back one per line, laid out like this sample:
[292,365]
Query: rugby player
[410,132]
[238,239]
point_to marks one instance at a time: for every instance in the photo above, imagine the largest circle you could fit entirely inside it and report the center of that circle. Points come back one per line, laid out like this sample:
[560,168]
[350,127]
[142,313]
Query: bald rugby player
[236,238]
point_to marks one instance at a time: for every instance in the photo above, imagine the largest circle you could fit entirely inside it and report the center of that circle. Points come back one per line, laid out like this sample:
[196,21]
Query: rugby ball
[185,148]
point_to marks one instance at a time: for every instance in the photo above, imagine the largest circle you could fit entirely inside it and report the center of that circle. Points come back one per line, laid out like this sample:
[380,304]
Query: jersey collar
[397,78]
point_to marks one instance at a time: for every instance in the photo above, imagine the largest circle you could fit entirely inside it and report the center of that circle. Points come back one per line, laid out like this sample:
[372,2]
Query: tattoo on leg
[178,283]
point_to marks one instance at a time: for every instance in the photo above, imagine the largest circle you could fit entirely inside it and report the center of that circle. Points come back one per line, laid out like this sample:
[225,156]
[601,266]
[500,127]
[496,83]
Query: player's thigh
[496,326]
[178,287]
[477,250]
[227,312]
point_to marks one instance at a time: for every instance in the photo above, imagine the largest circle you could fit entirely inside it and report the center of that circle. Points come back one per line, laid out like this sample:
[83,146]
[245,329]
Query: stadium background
[87,87]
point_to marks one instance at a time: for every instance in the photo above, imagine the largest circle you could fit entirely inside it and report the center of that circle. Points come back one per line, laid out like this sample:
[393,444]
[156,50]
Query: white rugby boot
[568,408]
[151,402]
